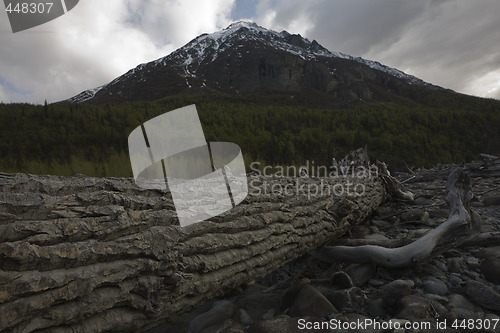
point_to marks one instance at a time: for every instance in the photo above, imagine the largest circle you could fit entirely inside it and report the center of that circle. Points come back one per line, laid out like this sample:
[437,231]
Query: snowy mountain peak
[245,57]
[242,24]
[210,46]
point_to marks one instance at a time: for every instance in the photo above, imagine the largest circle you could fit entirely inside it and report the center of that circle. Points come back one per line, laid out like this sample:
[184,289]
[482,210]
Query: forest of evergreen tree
[69,139]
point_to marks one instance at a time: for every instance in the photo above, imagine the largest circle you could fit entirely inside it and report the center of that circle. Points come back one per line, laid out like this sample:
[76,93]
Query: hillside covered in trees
[68,139]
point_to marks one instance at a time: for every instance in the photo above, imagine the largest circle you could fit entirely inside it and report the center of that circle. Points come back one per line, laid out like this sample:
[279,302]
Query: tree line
[68,139]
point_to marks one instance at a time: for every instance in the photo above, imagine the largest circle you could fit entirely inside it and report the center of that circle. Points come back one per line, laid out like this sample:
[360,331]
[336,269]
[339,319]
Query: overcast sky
[451,43]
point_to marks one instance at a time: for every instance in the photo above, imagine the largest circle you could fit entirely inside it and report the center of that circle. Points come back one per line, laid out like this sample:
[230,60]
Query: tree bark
[83,254]
[461,226]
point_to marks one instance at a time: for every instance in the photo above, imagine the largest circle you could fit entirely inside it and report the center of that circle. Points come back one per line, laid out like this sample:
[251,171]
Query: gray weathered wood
[462,225]
[82,254]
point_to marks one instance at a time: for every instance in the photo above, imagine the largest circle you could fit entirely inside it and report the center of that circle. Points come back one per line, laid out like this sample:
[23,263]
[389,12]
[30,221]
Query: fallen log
[461,226]
[490,158]
[80,254]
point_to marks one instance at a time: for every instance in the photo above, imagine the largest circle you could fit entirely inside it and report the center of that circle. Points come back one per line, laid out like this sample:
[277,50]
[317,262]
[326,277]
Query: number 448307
[30,8]
[475,324]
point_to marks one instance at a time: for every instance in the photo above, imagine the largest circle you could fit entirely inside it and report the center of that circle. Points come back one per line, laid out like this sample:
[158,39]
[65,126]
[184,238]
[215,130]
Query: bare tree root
[461,226]
[393,186]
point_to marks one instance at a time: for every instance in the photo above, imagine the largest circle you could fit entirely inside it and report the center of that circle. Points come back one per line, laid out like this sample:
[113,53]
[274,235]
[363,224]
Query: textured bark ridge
[83,254]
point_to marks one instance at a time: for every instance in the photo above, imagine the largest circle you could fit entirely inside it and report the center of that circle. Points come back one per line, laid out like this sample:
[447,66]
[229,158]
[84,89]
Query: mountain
[283,99]
[245,58]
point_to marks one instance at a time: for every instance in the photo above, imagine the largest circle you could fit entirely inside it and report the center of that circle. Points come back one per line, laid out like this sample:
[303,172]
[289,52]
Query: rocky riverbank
[457,290]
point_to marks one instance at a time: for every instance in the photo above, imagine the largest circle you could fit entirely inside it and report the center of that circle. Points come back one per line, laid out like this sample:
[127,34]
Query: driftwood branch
[394,187]
[462,225]
[490,158]
[361,242]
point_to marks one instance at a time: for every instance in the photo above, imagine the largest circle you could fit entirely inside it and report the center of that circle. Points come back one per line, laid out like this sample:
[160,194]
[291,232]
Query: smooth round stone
[489,252]
[341,280]
[483,295]
[454,280]
[459,301]
[455,265]
[472,274]
[268,315]
[221,310]
[376,308]
[435,286]
[442,266]
[465,314]
[414,308]
[361,274]
[395,290]
[465,277]
[310,302]
[245,317]
[472,262]
[490,268]
[410,283]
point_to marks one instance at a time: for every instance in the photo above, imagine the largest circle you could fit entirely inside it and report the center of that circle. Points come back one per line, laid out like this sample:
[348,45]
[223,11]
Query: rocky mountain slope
[245,58]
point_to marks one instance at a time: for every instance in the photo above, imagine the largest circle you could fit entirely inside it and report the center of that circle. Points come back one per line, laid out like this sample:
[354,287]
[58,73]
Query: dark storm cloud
[96,42]
[450,43]
[354,26]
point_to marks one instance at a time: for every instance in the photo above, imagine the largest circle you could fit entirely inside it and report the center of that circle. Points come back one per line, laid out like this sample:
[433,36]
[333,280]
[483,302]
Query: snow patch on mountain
[197,50]
[86,95]
[208,47]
